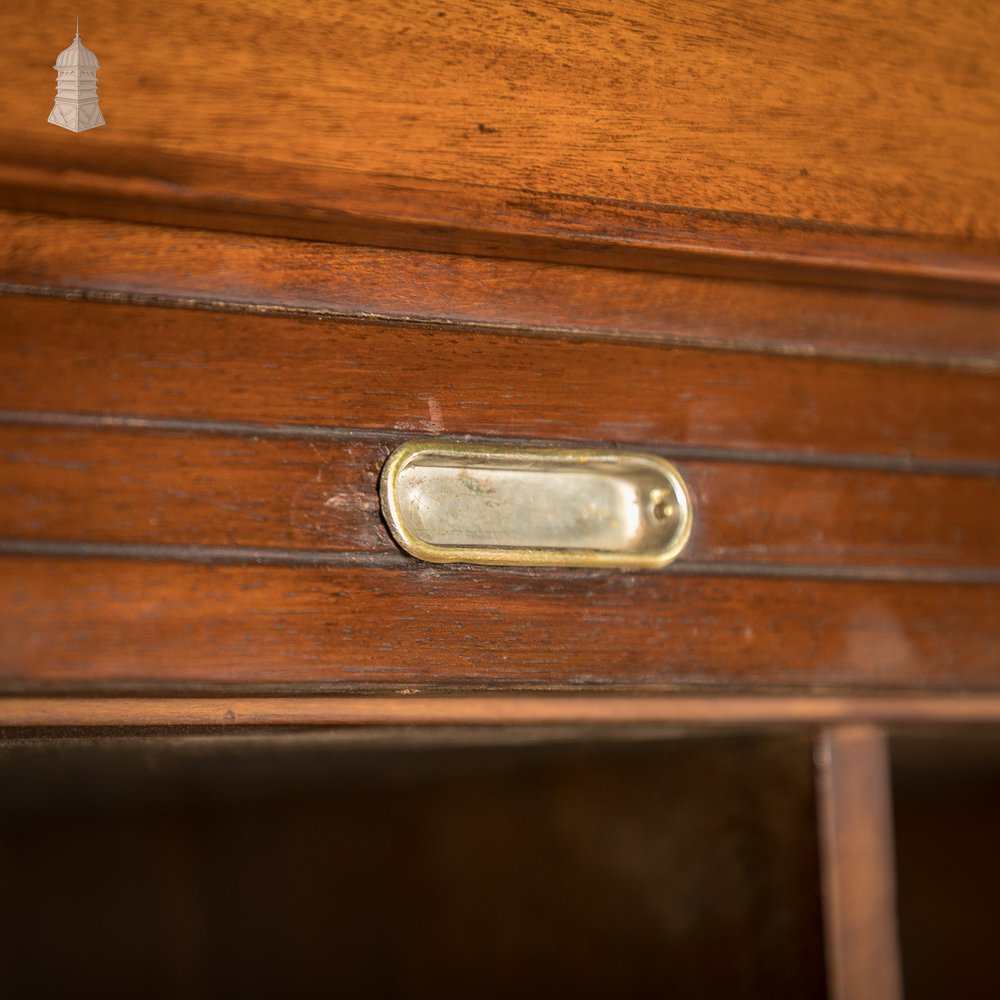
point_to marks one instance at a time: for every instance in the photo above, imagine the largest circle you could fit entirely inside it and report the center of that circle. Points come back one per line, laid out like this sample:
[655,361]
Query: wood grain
[798,111]
[556,714]
[81,622]
[855,808]
[106,484]
[291,200]
[200,365]
[44,251]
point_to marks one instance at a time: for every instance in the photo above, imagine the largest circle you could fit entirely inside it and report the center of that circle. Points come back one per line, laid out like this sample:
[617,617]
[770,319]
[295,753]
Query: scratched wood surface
[79,622]
[43,251]
[92,358]
[883,115]
[104,484]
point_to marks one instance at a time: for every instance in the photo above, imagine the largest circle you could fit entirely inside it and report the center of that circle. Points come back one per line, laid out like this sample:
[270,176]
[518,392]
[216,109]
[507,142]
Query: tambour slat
[85,357]
[132,260]
[106,484]
[84,621]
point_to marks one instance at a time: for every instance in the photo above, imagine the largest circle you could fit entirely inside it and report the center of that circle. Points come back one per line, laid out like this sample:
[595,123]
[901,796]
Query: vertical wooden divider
[857,857]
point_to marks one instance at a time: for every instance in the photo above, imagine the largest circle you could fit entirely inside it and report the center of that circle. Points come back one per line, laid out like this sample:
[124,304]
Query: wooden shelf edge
[493,710]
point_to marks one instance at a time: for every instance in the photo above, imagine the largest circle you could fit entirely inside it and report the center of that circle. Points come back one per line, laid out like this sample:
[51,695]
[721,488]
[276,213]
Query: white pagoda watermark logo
[76,106]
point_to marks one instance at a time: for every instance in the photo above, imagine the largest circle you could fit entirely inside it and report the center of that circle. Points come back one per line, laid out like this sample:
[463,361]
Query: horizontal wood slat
[87,621]
[111,485]
[44,251]
[557,713]
[107,485]
[196,364]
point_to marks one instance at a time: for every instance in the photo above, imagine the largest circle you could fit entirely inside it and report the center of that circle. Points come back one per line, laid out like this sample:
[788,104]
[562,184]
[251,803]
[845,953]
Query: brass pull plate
[513,506]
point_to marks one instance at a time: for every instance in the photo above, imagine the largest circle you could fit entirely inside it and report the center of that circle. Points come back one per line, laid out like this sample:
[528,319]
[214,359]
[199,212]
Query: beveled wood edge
[236,555]
[340,206]
[495,710]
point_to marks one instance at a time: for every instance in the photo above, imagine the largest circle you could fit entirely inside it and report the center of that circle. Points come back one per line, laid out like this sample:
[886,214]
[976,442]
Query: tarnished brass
[491,504]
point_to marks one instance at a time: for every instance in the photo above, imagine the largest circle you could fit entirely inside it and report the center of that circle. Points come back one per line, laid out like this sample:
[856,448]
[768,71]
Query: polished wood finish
[201,365]
[855,808]
[554,714]
[763,243]
[84,621]
[130,261]
[105,484]
[617,109]
[97,483]
[284,199]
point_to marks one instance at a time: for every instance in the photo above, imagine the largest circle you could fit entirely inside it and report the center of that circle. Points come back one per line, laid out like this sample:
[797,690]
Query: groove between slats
[242,556]
[304,432]
[941,354]
[150,265]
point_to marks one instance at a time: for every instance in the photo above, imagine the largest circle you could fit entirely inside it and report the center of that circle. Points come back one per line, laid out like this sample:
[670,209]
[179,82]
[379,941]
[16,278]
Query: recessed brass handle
[497,505]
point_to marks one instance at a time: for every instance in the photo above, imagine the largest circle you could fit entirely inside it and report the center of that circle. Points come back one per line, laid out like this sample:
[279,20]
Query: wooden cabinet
[761,243]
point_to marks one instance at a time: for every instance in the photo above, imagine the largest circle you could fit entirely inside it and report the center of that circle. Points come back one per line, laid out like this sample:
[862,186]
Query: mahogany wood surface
[827,383]
[855,811]
[83,621]
[284,199]
[882,116]
[763,242]
[92,358]
[89,257]
[97,483]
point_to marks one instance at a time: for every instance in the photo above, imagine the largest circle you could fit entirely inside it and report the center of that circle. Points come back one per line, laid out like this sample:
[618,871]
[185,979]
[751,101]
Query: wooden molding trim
[340,206]
[495,710]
